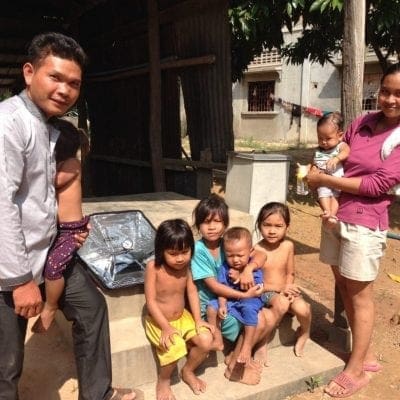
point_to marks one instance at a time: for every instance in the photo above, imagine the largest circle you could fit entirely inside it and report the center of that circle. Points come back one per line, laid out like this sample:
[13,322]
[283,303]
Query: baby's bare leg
[54,289]
[213,319]
[238,372]
[163,388]
[334,205]
[325,203]
[244,356]
[201,347]
[302,311]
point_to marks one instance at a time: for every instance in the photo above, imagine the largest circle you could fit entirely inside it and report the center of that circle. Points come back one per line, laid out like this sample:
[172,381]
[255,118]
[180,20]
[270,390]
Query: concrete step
[133,357]
[285,376]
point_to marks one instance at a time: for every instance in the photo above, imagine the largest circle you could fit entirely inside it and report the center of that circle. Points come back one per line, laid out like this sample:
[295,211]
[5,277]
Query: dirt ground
[49,364]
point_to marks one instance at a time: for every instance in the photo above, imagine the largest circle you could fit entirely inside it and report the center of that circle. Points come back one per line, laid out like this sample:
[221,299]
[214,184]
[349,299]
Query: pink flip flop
[372,367]
[349,385]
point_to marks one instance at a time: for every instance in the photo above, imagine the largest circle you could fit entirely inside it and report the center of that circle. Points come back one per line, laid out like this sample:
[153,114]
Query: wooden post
[155,97]
[204,175]
[353,59]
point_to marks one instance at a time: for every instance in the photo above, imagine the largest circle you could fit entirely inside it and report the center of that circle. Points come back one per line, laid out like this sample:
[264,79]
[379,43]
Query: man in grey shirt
[28,207]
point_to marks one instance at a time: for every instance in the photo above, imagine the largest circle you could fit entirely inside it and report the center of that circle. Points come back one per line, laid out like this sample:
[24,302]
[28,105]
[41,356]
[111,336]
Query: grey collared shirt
[28,205]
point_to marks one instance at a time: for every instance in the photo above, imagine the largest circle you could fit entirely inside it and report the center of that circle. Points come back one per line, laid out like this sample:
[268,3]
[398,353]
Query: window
[370,91]
[259,97]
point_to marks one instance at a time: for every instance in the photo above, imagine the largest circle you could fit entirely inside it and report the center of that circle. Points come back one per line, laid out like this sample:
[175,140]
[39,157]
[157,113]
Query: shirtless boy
[169,325]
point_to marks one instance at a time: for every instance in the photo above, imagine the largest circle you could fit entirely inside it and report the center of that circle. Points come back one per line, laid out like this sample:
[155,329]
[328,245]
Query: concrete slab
[287,375]
[158,207]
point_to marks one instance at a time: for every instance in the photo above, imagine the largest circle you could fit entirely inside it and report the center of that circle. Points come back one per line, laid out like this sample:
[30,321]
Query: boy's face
[237,253]
[53,84]
[177,259]
[328,135]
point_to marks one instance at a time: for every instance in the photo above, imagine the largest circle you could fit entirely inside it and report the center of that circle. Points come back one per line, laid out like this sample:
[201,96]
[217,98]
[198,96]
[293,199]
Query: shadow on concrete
[43,374]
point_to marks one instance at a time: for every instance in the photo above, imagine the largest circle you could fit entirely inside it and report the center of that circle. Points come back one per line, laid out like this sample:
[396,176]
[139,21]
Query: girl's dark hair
[270,209]
[335,118]
[71,139]
[393,69]
[172,234]
[211,205]
[58,45]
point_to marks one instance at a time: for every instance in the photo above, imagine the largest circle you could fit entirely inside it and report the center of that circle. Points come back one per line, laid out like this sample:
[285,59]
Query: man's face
[53,84]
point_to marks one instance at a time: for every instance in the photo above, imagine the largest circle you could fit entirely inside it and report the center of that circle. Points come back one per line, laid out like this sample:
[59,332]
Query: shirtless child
[282,294]
[168,324]
[71,220]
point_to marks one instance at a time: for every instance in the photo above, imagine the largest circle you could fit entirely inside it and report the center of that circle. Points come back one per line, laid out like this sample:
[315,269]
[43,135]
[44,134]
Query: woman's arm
[317,178]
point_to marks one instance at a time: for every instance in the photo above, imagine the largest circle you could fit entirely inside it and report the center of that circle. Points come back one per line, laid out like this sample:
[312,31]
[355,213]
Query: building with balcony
[281,103]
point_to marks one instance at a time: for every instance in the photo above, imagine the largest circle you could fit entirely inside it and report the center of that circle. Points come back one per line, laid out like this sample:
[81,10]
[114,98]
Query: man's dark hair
[56,44]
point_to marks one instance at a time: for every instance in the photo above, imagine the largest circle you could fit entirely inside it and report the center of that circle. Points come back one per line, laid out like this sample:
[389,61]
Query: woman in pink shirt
[355,246]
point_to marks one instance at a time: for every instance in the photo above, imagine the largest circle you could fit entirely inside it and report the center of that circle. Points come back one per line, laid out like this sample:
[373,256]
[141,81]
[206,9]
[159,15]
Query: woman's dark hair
[211,206]
[335,118]
[270,209]
[58,45]
[393,69]
[71,140]
[172,234]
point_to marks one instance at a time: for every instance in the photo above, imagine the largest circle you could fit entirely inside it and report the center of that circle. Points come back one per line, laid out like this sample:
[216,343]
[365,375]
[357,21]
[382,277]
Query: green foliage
[323,34]
[257,25]
[322,5]
[313,383]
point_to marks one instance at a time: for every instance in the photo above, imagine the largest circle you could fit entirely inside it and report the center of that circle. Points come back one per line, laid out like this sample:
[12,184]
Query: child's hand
[82,236]
[291,291]
[234,275]
[332,163]
[222,312]
[201,325]
[245,278]
[255,291]
[167,337]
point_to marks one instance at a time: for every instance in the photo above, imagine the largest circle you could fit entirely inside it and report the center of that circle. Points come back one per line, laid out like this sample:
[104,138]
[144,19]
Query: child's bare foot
[163,390]
[243,374]
[244,357]
[197,385]
[228,358]
[45,320]
[260,356]
[301,341]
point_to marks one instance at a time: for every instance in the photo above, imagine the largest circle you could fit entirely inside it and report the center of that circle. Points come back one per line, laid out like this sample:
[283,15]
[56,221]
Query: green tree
[257,25]
[323,31]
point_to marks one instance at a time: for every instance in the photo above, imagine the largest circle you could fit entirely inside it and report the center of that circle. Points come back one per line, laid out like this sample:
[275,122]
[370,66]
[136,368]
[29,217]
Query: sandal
[349,385]
[372,367]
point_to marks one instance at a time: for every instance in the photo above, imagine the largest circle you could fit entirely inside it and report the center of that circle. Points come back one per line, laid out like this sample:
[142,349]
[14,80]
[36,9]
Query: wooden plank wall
[118,109]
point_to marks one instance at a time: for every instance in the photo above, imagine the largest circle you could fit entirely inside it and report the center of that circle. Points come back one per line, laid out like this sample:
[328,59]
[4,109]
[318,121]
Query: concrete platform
[287,375]
[133,360]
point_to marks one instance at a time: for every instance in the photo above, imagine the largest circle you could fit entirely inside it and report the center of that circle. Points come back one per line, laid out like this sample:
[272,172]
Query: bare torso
[69,190]
[278,268]
[170,287]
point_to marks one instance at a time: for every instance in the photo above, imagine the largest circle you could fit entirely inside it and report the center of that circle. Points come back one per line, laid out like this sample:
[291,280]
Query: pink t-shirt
[370,207]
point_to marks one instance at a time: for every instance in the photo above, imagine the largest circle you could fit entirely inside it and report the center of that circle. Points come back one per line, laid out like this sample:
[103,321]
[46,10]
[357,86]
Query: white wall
[308,84]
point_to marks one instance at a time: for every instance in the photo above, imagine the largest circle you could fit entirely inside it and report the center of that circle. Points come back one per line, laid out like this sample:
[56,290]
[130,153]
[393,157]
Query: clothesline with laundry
[297,110]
